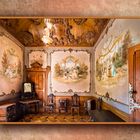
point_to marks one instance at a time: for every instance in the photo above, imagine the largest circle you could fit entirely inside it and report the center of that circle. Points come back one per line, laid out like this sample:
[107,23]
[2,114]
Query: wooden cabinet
[39,76]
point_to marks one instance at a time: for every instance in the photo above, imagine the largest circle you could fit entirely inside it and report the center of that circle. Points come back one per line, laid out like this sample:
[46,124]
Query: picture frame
[28,87]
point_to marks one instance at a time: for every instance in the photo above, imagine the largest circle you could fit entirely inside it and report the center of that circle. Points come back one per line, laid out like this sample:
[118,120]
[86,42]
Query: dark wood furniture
[63,104]
[39,76]
[29,106]
[8,112]
[89,105]
[51,103]
[75,107]
[29,102]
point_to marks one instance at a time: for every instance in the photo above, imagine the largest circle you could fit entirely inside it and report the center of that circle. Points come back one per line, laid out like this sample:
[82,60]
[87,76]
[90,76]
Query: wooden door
[134,77]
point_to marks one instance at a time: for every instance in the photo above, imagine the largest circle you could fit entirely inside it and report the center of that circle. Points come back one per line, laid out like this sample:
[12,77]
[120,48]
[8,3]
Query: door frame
[131,74]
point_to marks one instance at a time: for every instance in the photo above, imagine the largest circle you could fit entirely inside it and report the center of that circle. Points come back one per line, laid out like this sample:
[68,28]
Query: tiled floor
[55,118]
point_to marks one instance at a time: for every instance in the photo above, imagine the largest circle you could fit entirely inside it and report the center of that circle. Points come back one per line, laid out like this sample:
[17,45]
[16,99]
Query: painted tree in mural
[19,68]
[126,44]
[98,70]
[11,65]
[4,62]
[120,58]
[58,70]
[112,62]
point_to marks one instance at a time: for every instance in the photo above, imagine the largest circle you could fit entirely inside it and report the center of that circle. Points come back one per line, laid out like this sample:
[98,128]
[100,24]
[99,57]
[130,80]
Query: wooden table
[28,105]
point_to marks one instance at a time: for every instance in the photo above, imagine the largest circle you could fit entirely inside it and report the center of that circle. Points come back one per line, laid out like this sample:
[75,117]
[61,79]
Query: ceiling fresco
[55,31]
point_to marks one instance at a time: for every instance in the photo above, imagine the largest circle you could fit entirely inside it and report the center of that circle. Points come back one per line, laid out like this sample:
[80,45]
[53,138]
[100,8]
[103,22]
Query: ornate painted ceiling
[55,31]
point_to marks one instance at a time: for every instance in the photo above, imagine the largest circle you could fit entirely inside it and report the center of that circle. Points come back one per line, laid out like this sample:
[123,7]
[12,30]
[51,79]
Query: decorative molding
[132,104]
[5,33]
[1,33]
[108,98]
[105,31]
[42,50]
[71,50]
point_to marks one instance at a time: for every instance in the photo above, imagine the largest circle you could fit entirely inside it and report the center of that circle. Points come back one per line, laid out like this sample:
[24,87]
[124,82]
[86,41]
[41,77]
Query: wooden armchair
[50,106]
[75,104]
[63,105]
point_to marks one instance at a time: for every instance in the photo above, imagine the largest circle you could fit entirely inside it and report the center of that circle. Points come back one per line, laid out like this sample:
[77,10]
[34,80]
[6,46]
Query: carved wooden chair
[75,107]
[63,103]
[50,106]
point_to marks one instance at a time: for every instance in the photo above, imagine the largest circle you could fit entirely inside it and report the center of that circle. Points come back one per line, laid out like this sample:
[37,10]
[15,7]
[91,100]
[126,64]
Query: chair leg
[72,111]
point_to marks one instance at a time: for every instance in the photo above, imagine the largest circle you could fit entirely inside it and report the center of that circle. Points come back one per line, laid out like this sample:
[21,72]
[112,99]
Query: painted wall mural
[55,31]
[112,80]
[112,66]
[11,66]
[111,60]
[38,56]
[70,70]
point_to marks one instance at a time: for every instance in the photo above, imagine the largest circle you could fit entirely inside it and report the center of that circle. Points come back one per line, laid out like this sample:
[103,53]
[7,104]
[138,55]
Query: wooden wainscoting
[106,106]
[119,113]
[82,100]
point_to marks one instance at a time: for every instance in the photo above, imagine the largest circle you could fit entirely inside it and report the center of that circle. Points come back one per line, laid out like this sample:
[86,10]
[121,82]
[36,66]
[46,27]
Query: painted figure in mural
[111,64]
[113,70]
[75,74]
[70,70]
[11,64]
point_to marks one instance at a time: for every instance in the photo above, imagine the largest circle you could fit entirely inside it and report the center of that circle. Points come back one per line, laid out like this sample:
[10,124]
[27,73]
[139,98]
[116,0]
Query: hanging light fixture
[47,31]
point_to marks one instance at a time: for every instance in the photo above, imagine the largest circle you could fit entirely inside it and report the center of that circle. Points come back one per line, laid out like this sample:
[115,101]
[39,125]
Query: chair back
[50,99]
[75,100]
[62,103]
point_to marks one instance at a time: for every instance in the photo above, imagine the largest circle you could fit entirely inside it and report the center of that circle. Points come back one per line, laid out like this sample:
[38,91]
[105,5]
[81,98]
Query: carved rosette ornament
[132,104]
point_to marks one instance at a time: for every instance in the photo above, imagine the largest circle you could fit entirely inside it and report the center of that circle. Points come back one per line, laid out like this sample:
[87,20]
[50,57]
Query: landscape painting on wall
[111,63]
[10,66]
[70,70]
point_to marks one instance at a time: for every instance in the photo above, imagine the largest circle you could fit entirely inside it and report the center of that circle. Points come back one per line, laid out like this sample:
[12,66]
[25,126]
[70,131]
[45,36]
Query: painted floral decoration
[11,64]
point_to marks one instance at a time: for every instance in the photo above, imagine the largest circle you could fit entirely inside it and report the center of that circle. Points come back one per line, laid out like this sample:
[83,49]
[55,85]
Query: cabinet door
[40,85]
[31,76]
[38,78]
